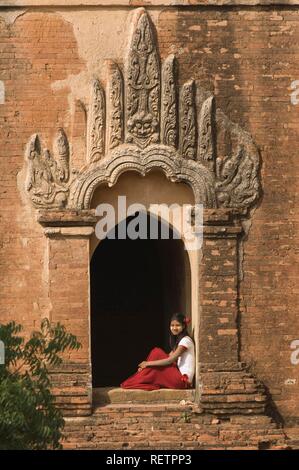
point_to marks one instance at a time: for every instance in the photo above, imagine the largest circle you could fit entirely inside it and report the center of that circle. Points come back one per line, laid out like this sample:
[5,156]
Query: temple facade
[112,104]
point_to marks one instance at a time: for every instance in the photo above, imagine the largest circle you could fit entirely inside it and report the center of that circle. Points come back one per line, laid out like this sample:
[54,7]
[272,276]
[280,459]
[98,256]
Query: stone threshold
[116,395]
[149,3]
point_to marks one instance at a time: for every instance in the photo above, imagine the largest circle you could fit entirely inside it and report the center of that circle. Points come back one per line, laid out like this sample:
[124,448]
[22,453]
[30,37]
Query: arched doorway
[135,287]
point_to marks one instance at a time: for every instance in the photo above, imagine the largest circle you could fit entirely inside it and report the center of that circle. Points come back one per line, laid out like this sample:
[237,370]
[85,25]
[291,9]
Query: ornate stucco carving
[169,127]
[187,121]
[116,107]
[175,129]
[237,183]
[126,158]
[97,123]
[207,133]
[47,177]
[143,85]
[62,155]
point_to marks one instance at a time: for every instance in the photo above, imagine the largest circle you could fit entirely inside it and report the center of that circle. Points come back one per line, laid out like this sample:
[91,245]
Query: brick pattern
[249,57]
[218,291]
[171,427]
[35,50]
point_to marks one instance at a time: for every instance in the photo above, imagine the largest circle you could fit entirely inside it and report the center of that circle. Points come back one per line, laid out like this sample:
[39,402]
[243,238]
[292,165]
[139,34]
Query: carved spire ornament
[143,86]
[62,154]
[116,108]
[207,133]
[187,121]
[169,112]
[97,123]
[142,121]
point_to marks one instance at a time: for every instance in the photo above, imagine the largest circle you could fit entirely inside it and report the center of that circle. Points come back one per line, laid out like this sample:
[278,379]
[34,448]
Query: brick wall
[248,56]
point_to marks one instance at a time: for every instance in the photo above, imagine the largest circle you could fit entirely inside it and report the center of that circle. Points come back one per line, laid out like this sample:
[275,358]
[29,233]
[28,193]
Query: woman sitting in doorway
[161,370]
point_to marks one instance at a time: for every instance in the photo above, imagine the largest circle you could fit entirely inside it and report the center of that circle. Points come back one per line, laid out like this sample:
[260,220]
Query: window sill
[115,395]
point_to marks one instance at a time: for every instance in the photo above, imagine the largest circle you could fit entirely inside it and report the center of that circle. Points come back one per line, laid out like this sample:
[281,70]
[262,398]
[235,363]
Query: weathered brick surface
[169,426]
[32,57]
[248,57]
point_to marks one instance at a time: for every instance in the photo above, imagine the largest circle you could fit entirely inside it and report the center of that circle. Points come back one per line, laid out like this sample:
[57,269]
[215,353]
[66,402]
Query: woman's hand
[142,365]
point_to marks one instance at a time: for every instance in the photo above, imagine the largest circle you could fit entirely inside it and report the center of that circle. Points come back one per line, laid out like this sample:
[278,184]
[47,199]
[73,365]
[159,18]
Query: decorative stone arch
[159,157]
[142,121]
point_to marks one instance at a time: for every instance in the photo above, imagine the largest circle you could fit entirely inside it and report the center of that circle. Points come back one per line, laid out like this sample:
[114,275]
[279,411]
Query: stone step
[114,395]
[169,427]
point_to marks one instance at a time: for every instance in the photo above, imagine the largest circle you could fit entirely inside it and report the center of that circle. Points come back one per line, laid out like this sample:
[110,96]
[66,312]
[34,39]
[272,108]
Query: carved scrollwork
[143,86]
[46,176]
[97,123]
[187,121]
[169,128]
[219,176]
[129,158]
[237,183]
[116,113]
[207,133]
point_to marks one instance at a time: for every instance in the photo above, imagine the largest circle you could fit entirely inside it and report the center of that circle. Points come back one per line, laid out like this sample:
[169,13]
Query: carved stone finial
[143,85]
[116,111]
[169,127]
[97,123]
[207,133]
[187,121]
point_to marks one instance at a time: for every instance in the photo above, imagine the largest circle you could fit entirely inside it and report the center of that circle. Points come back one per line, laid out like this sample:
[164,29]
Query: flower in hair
[187,320]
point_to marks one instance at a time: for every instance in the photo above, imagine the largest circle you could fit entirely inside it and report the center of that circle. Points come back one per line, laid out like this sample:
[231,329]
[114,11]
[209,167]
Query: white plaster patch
[10,16]
[101,35]
[290,382]
[2,92]
[24,242]
[79,86]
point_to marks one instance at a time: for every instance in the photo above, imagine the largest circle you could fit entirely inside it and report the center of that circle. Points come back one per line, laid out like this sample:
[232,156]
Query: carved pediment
[143,120]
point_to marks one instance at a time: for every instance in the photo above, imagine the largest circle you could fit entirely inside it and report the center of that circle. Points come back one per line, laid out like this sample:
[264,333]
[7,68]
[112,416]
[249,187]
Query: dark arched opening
[135,287]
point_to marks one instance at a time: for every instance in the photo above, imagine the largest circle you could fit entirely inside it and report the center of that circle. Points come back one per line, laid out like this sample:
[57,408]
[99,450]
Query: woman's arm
[163,362]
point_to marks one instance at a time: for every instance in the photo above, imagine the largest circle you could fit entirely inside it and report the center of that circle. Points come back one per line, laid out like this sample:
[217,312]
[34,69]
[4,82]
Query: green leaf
[28,416]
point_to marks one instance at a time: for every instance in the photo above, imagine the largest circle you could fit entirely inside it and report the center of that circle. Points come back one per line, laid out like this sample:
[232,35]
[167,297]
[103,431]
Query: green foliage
[28,416]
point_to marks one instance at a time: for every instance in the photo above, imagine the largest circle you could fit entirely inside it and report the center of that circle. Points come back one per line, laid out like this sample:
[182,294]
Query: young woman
[161,370]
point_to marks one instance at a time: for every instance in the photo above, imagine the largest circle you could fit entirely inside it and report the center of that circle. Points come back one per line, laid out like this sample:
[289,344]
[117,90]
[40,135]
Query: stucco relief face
[143,127]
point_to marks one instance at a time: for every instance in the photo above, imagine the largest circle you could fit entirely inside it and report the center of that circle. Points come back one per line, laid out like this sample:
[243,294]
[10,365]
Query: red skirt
[153,378]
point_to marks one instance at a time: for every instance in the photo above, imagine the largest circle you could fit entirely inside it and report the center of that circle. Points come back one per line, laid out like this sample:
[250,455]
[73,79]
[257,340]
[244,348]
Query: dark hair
[175,339]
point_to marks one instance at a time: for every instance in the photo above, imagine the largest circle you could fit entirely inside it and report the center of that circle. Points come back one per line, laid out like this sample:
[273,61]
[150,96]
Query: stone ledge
[112,395]
[140,3]
[66,218]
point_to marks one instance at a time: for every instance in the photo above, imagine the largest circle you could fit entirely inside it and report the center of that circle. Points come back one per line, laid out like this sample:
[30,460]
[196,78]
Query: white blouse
[186,361]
